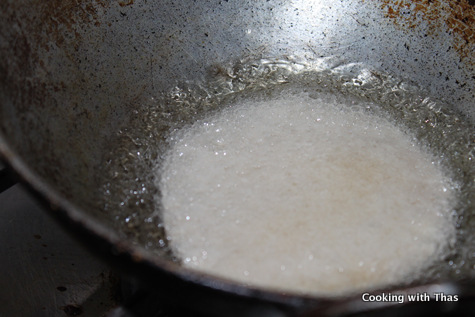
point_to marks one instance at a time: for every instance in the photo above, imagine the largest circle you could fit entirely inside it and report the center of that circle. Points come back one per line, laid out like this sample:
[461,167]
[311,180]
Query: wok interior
[74,74]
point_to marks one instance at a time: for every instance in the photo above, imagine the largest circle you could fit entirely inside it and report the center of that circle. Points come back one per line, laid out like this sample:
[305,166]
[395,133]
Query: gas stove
[45,272]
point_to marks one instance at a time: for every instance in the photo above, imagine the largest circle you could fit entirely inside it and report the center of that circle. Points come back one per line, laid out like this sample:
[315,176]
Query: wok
[77,76]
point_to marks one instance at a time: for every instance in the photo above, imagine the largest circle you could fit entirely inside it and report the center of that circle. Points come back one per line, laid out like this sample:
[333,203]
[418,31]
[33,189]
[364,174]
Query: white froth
[304,195]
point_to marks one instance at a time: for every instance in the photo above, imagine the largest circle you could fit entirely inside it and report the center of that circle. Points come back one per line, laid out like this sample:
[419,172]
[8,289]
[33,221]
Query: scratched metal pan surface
[74,72]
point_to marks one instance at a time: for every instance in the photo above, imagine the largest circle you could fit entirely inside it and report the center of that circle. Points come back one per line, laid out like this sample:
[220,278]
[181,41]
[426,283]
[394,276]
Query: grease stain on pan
[55,21]
[457,16]
[59,14]
[124,3]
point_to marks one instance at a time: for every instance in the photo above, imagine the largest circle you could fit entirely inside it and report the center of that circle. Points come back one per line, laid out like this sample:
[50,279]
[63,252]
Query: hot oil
[130,192]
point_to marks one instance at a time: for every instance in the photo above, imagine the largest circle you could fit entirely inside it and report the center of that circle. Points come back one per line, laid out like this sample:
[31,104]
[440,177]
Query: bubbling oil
[135,194]
[304,194]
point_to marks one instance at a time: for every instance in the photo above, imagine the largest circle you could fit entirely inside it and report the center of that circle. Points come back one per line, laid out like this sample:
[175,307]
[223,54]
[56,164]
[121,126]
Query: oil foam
[308,195]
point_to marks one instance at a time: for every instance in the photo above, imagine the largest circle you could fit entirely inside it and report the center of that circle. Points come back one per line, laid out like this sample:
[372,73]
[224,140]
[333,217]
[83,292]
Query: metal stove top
[45,272]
